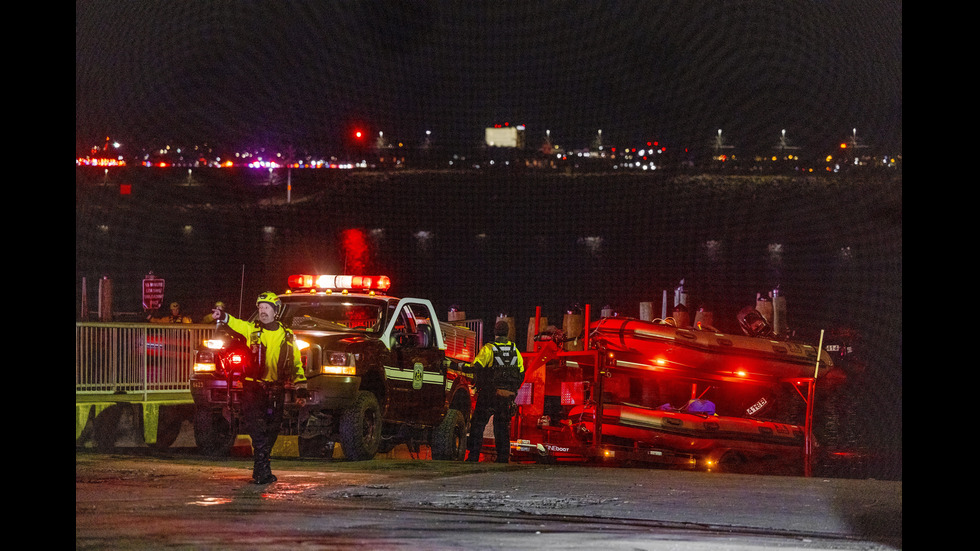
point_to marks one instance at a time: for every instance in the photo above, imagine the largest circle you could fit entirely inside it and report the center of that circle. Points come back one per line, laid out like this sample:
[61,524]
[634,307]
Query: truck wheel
[449,439]
[212,432]
[360,428]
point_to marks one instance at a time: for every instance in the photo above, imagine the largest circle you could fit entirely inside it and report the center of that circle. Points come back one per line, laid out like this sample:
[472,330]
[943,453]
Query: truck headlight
[214,344]
[204,362]
[338,363]
[204,367]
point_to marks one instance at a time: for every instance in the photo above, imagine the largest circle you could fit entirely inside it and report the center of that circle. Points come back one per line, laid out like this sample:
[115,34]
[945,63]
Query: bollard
[704,318]
[646,311]
[543,324]
[84,312]
[105,299]
[572,325]
[778,313]
[764,307]
[682,318]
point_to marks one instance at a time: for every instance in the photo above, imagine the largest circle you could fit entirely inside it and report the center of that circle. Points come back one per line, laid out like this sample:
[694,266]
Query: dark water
[508,242]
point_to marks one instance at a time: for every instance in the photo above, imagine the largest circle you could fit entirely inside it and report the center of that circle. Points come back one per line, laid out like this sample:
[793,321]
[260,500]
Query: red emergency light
[236,359]
[339,282]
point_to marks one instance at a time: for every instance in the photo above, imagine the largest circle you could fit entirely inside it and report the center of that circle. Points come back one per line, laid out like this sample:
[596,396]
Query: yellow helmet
[272,299]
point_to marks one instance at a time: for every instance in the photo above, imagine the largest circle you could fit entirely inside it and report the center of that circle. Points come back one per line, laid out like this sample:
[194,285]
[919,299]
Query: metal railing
[147,358]
[474,325]
[463,345]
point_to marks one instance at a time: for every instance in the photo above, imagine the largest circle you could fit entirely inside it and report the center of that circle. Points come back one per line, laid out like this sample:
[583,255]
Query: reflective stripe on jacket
[501,365]
[272,340]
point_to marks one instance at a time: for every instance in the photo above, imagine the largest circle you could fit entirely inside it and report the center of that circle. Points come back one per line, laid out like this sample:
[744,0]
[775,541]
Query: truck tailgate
[461,343]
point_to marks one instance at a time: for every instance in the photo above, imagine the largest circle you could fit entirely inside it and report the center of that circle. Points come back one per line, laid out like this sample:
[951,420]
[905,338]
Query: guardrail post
[146,362]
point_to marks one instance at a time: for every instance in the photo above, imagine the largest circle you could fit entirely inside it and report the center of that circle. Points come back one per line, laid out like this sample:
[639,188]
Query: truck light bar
[339,282]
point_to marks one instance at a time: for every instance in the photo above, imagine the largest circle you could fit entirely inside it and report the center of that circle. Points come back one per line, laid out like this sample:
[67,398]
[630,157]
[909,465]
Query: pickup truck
[381,371]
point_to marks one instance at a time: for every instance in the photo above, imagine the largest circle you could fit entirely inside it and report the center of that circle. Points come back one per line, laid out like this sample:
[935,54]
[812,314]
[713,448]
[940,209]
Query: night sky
[270,74]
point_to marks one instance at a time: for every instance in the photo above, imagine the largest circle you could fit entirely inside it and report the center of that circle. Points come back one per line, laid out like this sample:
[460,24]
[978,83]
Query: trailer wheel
[213,434]
[733,462]
[449,439]
[360,428]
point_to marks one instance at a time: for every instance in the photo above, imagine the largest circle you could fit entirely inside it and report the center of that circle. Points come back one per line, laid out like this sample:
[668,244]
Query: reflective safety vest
[500,364]
[275,356]
[505,355]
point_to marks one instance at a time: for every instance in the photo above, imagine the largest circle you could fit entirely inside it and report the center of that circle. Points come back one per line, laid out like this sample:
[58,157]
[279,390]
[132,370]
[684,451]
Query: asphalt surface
[179,500]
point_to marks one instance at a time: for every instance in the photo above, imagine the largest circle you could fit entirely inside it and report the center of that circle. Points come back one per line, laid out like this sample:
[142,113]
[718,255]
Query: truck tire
[360,428]
[213,433]
[449,438]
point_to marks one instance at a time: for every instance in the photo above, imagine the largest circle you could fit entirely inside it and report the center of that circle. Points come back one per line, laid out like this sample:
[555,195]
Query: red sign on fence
[152,292]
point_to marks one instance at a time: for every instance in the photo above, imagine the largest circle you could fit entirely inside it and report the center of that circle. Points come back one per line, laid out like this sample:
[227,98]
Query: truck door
[417,380]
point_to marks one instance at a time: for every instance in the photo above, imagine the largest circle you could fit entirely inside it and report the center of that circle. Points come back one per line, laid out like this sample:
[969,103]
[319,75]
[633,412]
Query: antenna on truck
[241,293]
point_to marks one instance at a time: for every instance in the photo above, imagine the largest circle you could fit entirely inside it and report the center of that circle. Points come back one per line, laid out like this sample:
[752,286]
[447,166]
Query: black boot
[262,470]
[503,455]
[268,478]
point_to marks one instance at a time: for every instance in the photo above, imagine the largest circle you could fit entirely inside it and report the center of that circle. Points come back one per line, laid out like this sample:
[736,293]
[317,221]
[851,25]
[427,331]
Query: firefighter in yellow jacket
[275,362]
[498,372]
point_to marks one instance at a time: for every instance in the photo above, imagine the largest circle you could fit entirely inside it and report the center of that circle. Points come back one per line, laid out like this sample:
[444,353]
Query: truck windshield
[346,315]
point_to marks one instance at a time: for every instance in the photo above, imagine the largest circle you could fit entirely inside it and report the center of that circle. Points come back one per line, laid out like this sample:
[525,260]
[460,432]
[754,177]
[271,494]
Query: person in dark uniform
[275,361]
[498,372]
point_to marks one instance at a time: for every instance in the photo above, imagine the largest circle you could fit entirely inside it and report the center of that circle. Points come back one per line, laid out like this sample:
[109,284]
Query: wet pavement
[179,500]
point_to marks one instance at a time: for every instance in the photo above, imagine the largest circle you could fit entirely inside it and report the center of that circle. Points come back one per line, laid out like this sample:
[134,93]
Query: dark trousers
[489,404]
[262,406]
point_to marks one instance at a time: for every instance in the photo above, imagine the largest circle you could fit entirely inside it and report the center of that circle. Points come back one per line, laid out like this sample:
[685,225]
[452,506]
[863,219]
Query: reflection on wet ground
[191,502]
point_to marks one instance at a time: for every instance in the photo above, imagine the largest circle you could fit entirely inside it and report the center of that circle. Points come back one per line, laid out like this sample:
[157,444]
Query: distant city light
[88,161]
[592,244]
[264,164]
[648,155]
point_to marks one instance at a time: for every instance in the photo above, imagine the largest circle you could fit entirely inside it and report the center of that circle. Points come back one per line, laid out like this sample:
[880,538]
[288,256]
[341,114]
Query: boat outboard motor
[753,323]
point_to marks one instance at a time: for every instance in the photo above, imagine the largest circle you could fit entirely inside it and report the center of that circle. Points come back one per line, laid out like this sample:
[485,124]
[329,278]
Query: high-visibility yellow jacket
[499,365]
[274,340]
